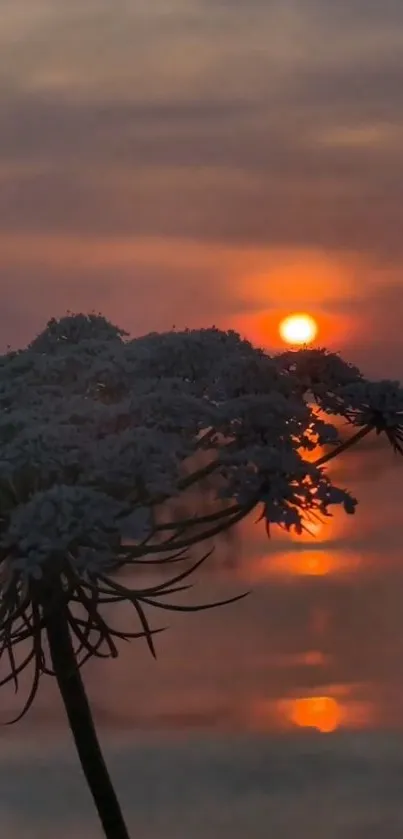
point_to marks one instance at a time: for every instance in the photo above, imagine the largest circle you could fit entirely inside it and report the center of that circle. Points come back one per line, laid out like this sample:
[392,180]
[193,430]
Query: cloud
[264,122]
[254,126]
[229,170]
[144,284]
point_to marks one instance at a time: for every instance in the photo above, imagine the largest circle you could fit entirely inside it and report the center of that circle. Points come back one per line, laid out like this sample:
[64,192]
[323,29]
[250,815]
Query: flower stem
[81,722]
[346,445]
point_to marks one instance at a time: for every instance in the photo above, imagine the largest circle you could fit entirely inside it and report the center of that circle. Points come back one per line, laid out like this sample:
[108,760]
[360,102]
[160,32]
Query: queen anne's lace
[320,374]
[84,410]
[75,329]
[64,521]
[378,403]
[103,438]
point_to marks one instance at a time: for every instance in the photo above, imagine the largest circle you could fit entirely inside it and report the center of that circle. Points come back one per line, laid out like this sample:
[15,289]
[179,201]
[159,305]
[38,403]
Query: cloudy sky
[195,161]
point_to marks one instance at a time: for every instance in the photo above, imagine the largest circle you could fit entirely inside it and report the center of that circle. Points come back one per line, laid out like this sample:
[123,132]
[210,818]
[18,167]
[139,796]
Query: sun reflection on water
[304,563]
[323,712]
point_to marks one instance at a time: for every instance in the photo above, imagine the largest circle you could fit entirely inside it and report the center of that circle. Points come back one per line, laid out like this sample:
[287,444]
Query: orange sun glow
[320,712]
[298,329]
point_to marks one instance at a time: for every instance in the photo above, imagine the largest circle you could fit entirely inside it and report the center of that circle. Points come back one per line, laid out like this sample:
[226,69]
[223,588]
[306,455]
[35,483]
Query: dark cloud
[357,14]
[283,184]
[364,90]
[38,128]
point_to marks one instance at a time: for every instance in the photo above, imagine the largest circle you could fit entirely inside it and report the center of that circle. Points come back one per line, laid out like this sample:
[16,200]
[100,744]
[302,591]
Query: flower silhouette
[104,440]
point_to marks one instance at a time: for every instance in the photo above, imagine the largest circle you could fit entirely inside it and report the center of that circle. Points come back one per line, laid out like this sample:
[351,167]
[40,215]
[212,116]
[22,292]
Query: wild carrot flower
[102,436]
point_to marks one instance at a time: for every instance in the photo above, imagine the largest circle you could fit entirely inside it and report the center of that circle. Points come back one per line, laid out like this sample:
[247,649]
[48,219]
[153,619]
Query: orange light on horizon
[326,712]
[298,329]
[277,282]
[317,564]
[321,712]
[262,327]
[303,563]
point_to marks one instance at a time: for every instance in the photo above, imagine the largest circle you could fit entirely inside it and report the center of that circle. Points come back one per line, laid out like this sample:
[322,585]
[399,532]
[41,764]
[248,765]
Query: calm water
[281,715]
[308,788]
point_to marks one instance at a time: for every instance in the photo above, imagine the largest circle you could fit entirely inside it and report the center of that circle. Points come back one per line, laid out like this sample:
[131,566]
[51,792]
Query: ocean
[206,786]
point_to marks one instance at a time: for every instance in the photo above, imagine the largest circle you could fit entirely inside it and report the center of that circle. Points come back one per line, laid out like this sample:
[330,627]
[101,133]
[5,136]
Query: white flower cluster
[75,329]
[95,429]
[61,520]
[320,374]
[289,487]
[190,355]
[376,403]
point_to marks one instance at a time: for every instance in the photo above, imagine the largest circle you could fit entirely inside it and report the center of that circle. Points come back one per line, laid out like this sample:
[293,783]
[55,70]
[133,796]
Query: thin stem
[81,722]
[196,521]
[188,480]
[172,545]
[363,432]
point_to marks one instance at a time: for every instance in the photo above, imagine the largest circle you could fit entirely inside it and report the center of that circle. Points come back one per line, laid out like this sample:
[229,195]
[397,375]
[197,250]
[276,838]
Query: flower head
[103,438]
[378,405]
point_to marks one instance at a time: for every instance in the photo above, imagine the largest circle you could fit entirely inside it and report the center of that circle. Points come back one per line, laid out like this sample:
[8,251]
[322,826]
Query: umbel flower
[103,441]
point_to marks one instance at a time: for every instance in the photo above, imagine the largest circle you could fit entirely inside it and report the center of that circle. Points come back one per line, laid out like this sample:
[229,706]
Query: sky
[185,162]
[198,162]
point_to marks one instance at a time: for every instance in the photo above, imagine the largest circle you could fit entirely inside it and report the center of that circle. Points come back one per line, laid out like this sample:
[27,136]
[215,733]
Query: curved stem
[184,543]
[81,723]
[346,445]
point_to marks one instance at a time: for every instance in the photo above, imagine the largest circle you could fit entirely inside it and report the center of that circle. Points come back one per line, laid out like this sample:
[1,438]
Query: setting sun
[320,712]
[298,329]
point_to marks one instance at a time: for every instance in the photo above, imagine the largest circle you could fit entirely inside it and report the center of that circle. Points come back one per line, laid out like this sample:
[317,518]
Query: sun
[320,712]
[298,329]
